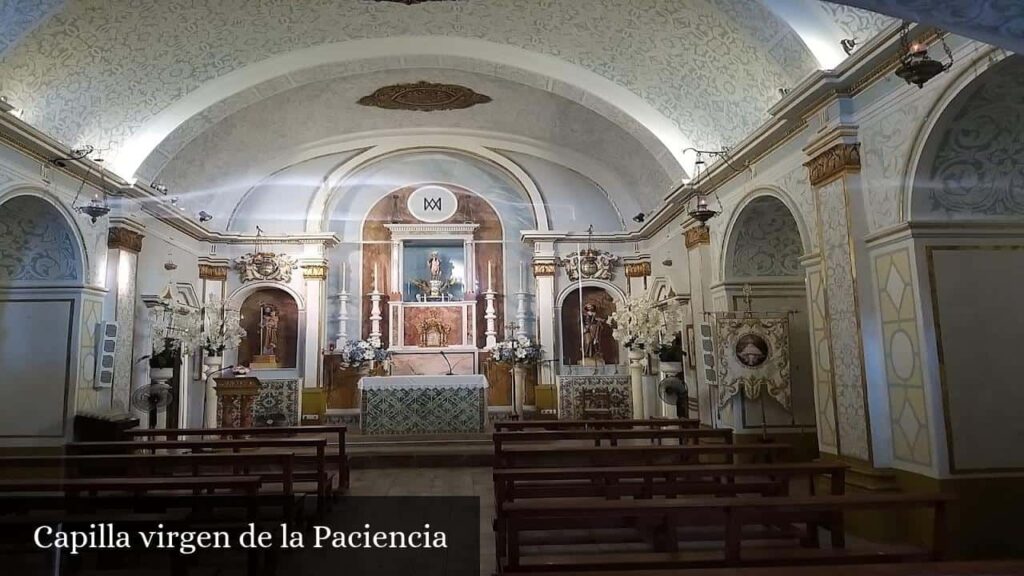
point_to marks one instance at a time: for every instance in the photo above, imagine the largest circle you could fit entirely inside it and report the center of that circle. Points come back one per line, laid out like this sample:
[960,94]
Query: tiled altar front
[571,390]
[423,404]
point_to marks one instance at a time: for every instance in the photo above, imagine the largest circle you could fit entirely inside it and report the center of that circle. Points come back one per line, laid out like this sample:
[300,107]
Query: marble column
[697,239]
[315,275]
[834,174]
[544,273]
[124,242]
[644,398]
[213,276]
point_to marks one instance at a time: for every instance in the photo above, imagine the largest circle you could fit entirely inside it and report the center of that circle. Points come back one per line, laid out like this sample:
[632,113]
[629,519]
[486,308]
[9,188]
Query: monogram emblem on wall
[265,266]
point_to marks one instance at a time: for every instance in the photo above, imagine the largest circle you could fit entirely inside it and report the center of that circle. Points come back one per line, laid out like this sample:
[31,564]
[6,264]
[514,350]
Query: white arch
[238,296]
[966,76]
[19,189]
[608,287]
[595,87]
[318,215]
[762,191]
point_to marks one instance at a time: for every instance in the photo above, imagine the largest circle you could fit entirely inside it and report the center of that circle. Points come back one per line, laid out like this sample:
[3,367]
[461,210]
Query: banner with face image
[752,353]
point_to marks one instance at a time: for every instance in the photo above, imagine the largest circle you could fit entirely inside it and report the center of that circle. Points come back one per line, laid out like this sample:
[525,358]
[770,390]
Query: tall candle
[374,276]
[490,280]
[522,287]
[343,266]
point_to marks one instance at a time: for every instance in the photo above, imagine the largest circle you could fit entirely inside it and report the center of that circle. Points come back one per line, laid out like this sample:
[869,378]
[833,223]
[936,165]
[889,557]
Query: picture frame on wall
[691,347]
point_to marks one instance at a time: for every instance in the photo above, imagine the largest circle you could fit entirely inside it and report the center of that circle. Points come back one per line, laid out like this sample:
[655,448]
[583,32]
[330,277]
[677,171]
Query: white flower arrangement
[355,353]
[216,328]
[638,324]
[516,350]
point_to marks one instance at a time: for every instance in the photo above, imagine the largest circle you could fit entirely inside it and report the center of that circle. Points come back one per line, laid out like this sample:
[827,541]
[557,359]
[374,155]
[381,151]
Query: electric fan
[672,390]
[152,399]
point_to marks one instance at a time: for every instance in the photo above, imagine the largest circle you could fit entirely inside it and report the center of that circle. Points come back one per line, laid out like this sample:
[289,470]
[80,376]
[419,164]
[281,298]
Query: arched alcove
[603,305]
[265,310]
[37,245]
[972,164]
[764,241]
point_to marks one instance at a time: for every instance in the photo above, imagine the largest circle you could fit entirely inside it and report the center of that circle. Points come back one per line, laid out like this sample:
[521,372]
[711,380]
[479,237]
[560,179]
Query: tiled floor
[436,482]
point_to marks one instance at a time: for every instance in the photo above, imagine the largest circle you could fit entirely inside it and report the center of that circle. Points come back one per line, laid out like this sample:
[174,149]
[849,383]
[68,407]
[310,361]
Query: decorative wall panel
[844,327]
[901,342]
[821,354]
[277,400]
[89,399]
[36,244]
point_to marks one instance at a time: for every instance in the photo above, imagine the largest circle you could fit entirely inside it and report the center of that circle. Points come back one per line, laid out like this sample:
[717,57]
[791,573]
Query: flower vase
[211,365]
[519,376]
[636,381]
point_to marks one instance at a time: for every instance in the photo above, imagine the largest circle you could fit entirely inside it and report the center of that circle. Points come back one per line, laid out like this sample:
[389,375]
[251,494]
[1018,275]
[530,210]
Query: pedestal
[211,364]
[519,388]
[636,383]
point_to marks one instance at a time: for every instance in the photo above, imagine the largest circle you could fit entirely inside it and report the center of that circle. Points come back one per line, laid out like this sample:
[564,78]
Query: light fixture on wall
[204,216]
[848,45]
[639,218]
[97,207]
[916,66]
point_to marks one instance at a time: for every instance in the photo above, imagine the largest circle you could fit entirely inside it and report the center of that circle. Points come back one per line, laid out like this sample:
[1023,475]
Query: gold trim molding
[124,239]
[697,236]
[212,272]
[314,272]
[836,160]
[543,269]
[637,269]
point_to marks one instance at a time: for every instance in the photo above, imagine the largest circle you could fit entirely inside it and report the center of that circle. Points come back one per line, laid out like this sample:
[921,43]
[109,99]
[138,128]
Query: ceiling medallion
[424,97]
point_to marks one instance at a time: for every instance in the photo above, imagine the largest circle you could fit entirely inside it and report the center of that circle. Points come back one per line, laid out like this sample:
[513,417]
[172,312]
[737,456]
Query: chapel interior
[707,287]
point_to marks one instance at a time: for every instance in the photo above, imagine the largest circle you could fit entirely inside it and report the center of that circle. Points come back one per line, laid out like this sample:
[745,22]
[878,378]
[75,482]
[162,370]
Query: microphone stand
[449,362]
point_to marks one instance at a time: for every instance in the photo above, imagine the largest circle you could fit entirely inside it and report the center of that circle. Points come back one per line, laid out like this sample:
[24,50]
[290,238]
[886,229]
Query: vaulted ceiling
[672,73]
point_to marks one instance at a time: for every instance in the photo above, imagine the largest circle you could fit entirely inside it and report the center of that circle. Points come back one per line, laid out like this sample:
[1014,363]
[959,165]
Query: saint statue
[593,327]
[434,265]
[268,330]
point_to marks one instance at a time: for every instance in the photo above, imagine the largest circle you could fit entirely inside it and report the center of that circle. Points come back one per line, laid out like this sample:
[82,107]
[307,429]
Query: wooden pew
[338,431]
[649,423]
[982,568]
[612,435]
[282,465]
[516,484]
[591,456]
[322,478]
[733,514]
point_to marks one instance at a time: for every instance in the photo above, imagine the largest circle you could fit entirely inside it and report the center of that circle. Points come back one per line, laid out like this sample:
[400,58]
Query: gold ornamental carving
[314,272]
[697,236]
[124,239]
[543,269]
[212,272]
[424,97]
[833,162]
[637,269]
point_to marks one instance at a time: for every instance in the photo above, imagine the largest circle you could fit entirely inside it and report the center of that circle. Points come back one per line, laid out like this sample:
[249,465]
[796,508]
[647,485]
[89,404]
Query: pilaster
[698,248]
[124,242]
[544,274]
[314,273]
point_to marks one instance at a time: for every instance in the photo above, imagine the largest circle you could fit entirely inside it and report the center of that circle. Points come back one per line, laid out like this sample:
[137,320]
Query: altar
[423,404]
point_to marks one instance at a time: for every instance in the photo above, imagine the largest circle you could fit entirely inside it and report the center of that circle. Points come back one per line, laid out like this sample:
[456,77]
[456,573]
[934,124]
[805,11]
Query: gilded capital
[314,272]
[543,269]
[697,236]
[213,272]
[833,162]
[637,269]
[124,239]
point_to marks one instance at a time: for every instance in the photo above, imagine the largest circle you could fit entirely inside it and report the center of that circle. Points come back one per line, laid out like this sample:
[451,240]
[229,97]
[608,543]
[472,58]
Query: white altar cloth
[467,381]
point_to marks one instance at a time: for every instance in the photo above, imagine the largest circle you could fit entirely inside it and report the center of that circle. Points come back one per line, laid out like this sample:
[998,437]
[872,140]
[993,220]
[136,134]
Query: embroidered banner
[752,353]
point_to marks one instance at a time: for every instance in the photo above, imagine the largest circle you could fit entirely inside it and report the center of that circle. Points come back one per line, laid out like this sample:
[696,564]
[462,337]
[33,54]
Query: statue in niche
[593,328]
[269,321]
[434,265]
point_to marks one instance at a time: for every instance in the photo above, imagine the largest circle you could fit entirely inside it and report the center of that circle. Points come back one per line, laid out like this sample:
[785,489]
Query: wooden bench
[544,456]
[518,425]
[984,568]
[733,514]
[612,436]
[323,480]
[281,469]
[338,431]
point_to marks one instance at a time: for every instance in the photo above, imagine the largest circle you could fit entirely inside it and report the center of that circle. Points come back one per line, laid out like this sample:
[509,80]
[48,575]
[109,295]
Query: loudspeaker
[106,342]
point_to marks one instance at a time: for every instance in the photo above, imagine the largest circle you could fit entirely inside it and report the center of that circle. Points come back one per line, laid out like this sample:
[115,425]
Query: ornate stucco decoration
[314,272]
[265,266]
[424,97]
[434,332]
[213,272]
[590,263]
[543,269]
[697,236]
[832,162]
[637,269]
[124,239]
